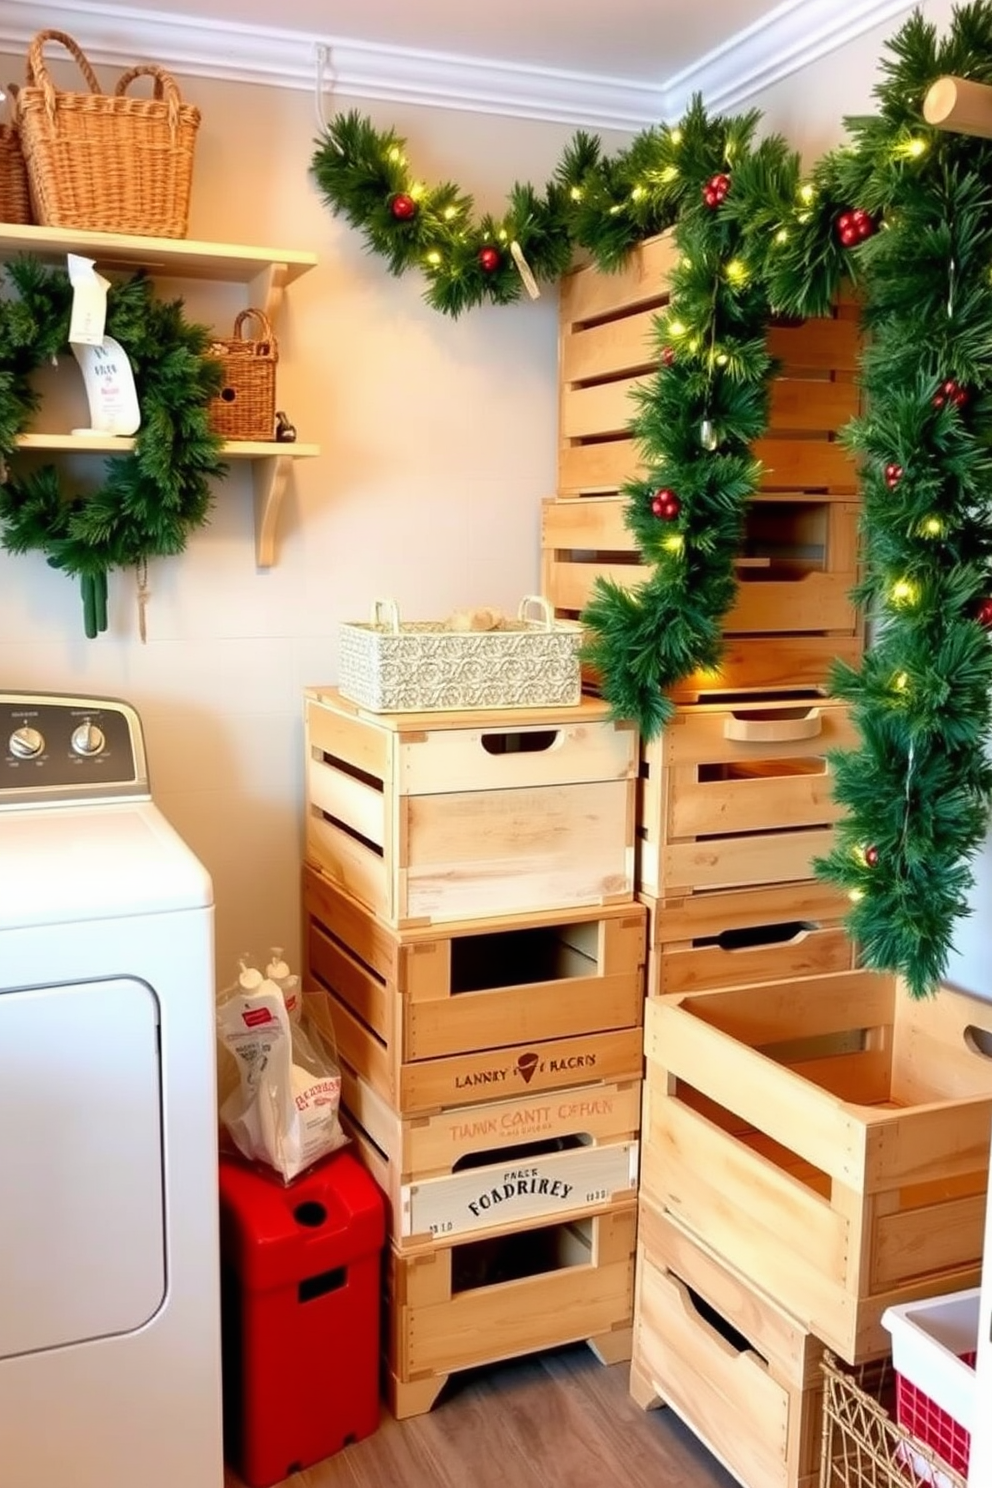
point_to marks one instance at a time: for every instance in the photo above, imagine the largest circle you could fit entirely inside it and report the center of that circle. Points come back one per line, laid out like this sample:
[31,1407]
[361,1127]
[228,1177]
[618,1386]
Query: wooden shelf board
[178,257]
[111,444]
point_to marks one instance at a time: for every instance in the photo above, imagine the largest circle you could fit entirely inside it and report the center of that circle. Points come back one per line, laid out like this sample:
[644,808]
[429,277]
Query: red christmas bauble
[489,259]
[667,355]
[984,613]
[716,189]
[665,504]
[871,856]
[854,225]
[938,400]
[893,475]
[403,206]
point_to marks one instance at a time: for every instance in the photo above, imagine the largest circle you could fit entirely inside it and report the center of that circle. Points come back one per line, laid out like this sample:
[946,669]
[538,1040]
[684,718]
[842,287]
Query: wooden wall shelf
[271,465]
[266,271]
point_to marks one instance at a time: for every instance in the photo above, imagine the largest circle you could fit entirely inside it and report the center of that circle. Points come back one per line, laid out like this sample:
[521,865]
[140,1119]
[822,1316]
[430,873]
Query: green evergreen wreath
[150,499]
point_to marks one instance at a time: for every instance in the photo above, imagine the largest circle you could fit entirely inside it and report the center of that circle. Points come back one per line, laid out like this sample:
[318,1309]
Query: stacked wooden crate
[813,1146]
[469,910]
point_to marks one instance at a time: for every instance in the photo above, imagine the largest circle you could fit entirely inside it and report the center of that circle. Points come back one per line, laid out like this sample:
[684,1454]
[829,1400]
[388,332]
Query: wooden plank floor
[554,1420]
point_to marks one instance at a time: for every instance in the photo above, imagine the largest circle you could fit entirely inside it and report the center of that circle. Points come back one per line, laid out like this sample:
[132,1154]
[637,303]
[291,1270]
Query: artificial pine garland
[918,788]
[695,424]
[602,203]
[150,499]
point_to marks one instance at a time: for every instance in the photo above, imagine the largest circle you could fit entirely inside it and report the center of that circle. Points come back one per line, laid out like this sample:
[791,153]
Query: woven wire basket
[863,1447]
[106,162]
[245,407]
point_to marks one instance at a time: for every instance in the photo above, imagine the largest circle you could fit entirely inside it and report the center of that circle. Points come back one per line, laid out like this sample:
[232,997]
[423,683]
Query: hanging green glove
[94,587]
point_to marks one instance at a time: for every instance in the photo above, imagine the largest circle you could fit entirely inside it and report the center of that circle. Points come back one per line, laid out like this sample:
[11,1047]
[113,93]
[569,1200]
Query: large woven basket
[245,407]
[422,666]
[101,162]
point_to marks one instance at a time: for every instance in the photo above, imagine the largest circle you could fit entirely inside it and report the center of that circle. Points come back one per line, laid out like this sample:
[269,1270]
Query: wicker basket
[864,1448]
[101,162]
[245,407]
[15,199]
[421,666]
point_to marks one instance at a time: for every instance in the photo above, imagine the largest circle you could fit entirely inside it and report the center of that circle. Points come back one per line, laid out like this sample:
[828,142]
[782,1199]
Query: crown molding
[789,38]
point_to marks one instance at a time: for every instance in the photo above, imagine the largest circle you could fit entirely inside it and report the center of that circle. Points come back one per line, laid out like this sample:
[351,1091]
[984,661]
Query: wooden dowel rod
[956,104]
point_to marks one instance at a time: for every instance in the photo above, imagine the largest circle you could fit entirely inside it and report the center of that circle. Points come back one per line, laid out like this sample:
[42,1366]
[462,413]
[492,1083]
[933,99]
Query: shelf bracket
[270,477]
[265,291]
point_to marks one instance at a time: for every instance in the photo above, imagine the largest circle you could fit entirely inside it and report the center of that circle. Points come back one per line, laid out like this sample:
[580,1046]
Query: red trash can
[300,1272]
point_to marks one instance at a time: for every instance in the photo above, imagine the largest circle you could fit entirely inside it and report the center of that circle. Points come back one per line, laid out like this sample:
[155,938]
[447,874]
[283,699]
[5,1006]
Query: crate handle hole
[537,741]
[228,395]
[310,1214]
[979,1040]
[767,728]
[752,936]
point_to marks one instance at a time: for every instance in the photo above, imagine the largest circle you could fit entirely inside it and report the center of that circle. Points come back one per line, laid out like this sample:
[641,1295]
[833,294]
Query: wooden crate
[738,794]
[495,1167]
[797,566]
[743,1375]
[608,348]
[799,560]
[833,1149]
[421,1013]
[779,932]
[431,817]
[470,1304]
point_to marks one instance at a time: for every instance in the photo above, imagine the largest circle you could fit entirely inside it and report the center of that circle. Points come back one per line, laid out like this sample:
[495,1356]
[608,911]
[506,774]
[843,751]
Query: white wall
[808,109]
[439,443]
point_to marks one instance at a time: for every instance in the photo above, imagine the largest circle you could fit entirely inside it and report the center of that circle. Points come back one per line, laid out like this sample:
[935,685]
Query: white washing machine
[109,1272]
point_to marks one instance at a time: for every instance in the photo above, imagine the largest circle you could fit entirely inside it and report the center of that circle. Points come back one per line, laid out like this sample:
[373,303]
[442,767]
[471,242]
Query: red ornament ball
[665,504]
[489,259]
[716,189]
[403,207]
[950,391]
[983,614]
[667,355]
[893,475]
[854,226]
[871,856]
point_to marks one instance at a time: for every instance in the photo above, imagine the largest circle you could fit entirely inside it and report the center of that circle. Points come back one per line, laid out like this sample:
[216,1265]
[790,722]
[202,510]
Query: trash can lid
[275,1234]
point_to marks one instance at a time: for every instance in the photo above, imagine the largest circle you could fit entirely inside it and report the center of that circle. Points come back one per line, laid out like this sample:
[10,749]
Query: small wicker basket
[245,407]
[101,162]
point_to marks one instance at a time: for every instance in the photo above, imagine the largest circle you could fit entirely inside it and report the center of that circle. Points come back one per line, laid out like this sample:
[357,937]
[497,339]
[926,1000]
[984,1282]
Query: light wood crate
[735,795]
[608,348]
[427,818]
[495,1167]
[425,1013]
[797,566]
[743,1375]
[467,1305]
[834,1149]
[799,559]
[791,931]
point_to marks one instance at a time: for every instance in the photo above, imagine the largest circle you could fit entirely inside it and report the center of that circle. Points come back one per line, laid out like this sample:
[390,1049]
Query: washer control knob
[87,739]
[26,743]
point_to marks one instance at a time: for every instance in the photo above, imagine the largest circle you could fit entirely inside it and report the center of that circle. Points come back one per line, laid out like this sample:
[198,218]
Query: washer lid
[70,863]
